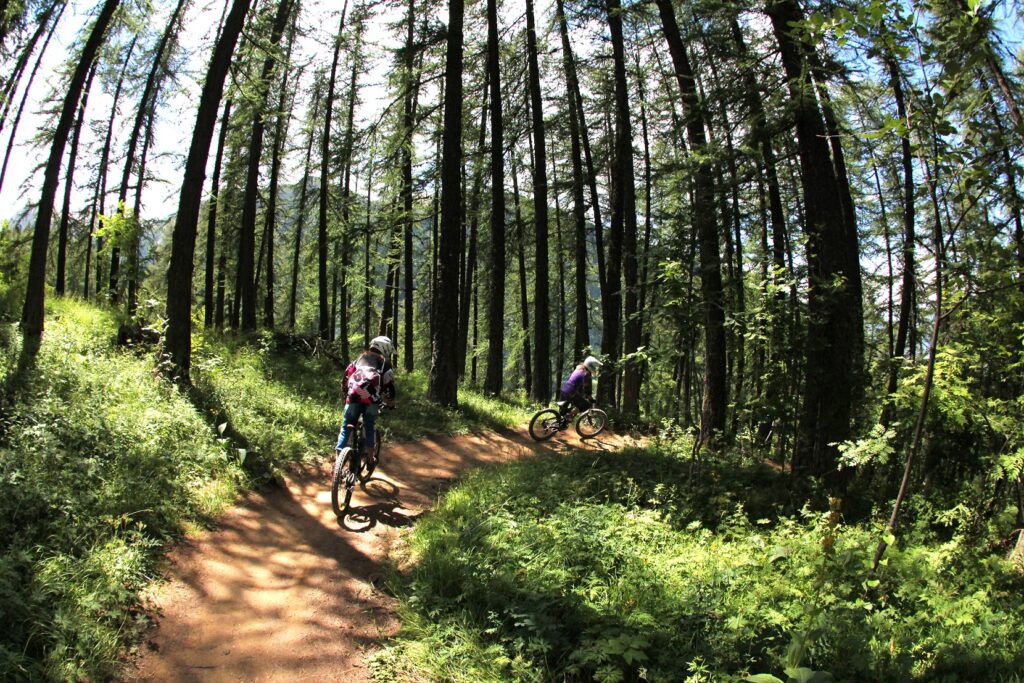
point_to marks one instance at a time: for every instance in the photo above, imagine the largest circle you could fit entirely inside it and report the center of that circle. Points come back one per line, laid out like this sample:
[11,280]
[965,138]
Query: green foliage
[13,270]
[281,407]
[100,463]
[119,230]
[640,566]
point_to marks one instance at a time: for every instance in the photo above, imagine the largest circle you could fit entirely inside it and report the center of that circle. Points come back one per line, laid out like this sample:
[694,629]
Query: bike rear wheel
[591,423]
[544,424]
[343,481]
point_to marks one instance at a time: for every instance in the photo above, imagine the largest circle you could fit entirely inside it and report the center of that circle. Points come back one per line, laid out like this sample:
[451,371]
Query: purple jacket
[578,382]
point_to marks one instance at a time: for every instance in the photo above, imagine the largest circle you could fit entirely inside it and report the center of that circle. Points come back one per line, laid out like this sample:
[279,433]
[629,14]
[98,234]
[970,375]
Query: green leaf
[763,678]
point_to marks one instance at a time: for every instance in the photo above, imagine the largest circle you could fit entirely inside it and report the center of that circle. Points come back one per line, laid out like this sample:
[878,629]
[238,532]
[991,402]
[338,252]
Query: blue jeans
[369,412]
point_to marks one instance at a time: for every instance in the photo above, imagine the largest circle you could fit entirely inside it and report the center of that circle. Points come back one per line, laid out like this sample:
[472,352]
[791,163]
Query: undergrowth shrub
[282,407]
[101,462]
[632,566]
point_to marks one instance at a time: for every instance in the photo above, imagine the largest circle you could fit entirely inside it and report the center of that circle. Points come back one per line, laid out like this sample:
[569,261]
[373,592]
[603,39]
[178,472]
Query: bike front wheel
[544,424]
[343,481]
[591,423]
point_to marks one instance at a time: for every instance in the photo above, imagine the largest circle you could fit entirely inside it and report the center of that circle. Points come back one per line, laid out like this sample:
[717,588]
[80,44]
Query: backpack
[364,382]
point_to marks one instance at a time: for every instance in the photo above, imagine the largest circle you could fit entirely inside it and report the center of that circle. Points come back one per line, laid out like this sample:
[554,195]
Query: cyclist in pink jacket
[369,380]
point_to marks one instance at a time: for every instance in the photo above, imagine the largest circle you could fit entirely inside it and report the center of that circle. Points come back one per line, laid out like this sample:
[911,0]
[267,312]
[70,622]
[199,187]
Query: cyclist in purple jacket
[578,390]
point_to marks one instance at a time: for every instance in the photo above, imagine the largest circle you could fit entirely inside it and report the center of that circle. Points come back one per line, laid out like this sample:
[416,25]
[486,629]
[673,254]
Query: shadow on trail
[275,592]
[363,518]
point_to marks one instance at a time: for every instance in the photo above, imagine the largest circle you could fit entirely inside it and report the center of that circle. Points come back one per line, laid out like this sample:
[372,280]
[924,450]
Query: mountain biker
[367,379]
[578,390]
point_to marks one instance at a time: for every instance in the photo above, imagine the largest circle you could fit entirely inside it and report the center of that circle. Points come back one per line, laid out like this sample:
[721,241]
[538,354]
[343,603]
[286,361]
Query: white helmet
[382,345]
[592,364]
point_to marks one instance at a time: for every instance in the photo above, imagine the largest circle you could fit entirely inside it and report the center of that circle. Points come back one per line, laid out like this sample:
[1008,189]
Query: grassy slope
[620,566]
[102,464]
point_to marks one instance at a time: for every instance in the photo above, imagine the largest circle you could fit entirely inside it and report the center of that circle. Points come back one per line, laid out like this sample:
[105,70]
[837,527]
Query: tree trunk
[10,86]
[409,124]
[211,220]
[541,303]
[474,222]
[300,220]
[346,194]
[366,263]
[222,265]
[706,229]
[777,335]
[247,233]
[15,79]
[852,241]
[280,134]
[524,303]
[325,151]
[624,227]
[581,337]
[908,282]
[833,308]
[645,256]
[178,341]
[69,182]
[496,301]
[929,372]
[443,383]
[556,380]
[115,252]
[33,312]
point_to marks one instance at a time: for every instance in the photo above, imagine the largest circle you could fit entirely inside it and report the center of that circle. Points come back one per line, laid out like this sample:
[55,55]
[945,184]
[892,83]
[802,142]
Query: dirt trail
[281,591]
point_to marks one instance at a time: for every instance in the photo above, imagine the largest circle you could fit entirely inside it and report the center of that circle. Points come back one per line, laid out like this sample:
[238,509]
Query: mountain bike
[349,467]
[549,421]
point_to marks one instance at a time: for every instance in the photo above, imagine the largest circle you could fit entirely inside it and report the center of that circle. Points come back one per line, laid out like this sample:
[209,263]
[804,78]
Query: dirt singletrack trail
[281,591]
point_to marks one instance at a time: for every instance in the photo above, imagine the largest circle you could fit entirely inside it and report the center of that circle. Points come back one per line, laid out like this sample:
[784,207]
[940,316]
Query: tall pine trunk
[833,307]
[33,310]
[581,337]
[706,228]
[443,382]
[496,301]
[474,223]
[624,226]
[524,302]
[300,220]
[211,220]
[15,79]
[541,303]
[908,283]
[113,293]
[178,341]
[247,234]
[323,324]
[408,124]
[69,183]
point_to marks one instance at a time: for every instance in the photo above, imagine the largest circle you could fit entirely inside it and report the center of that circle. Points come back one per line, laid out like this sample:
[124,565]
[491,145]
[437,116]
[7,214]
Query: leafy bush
[100,463]
[623,566]
[283,407]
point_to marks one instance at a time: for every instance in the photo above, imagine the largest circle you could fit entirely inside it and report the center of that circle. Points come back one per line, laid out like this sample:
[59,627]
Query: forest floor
[281,590]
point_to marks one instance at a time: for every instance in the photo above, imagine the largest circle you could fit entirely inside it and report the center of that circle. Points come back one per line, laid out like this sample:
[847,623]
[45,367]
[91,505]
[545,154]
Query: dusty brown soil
[283,591]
